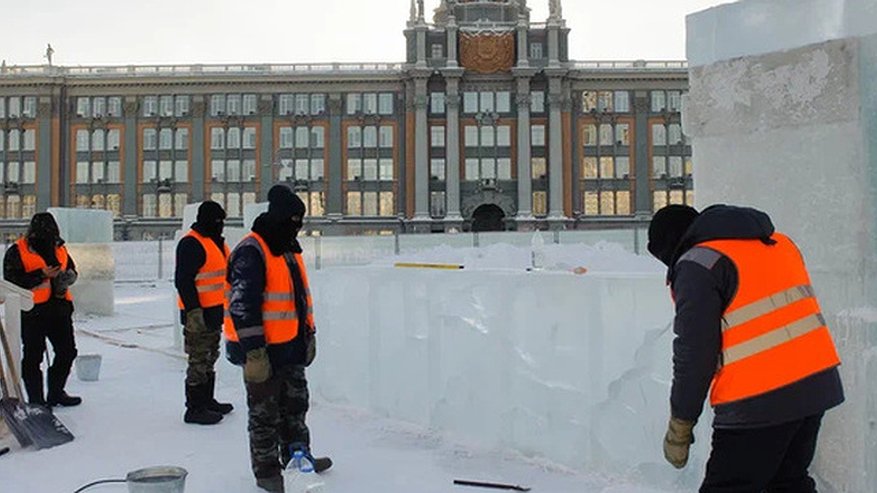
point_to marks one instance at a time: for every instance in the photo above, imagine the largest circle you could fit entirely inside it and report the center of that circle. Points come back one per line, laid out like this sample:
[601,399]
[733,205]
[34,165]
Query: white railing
[199,69]
[288,68]
[630,65]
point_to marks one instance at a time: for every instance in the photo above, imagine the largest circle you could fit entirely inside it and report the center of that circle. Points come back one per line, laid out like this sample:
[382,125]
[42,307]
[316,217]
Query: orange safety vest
[773,332]
[210,279]
[32,262]
[279,317]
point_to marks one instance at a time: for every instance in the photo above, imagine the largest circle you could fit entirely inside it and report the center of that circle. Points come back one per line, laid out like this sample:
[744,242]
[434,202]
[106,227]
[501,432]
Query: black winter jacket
[190,257]
[704,283]
[246,274]
[13,271]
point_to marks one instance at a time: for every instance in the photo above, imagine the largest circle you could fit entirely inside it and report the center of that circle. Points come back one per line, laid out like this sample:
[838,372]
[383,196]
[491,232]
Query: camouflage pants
[277,410]
[203,350]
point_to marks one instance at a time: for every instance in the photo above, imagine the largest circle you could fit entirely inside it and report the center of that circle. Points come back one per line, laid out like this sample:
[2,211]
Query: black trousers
[52,320]
[774,459]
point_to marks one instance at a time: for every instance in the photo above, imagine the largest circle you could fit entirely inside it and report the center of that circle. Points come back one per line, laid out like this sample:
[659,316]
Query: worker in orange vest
[201,260]
[749,331]
[39,262]
[271,333]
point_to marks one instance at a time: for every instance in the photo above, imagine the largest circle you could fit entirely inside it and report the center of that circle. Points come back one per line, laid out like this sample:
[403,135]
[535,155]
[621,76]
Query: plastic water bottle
[537,251]
[299,475]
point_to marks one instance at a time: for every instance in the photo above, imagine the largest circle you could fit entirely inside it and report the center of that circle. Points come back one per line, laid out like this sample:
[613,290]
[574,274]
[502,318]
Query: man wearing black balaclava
[201,261]
[272,335]
[750,333]
[39,262]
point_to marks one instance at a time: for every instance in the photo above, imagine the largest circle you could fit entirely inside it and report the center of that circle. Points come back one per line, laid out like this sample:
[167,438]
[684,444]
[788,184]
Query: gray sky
[215,31]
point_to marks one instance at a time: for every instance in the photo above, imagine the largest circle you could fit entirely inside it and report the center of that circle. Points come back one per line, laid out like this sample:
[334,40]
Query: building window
[536,51]
[537,102]
[538,135]
[438,51]
[540,203]
[30,139]
[30,107]
[437,103]
[659,101]
[15,107]
[622,102]
[250,104]
[385,104]
[437,204]
[354,104]
[318,104]
[83,107]
[114,106]
[437,136]
[150,106]
[166,106]
[470,102]
[539,168]
[437,168]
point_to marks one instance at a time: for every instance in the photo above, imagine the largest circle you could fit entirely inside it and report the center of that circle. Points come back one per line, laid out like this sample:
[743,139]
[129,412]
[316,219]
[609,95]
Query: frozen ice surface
[84,225]
[792,129]
[755,27]
[89,234]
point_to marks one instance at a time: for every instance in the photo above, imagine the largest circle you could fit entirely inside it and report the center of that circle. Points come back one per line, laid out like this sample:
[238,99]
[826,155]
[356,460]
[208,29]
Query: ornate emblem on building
[487,52]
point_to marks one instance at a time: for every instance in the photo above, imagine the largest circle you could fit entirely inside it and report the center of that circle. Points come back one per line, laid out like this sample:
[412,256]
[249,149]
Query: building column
[130,109]
[555,149]
[525,172]
[268,150]
[452,41]
[45,157]
[199,159]
[523,53]
[421,149]
[334,195]
[643,200]
[553,43]
[452,146]
[420,36]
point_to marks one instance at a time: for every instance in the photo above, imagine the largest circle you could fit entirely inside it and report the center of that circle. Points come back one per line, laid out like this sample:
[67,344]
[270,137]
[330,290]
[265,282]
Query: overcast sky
[215,31]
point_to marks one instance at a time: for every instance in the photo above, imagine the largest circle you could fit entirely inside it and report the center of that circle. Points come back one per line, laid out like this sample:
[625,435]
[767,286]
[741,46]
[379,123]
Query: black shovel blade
[42,427]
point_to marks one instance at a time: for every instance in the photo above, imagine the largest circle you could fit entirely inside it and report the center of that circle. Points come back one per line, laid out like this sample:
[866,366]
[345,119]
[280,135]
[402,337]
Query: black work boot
[274,484]
[196,410]
[212,404]
[57,396]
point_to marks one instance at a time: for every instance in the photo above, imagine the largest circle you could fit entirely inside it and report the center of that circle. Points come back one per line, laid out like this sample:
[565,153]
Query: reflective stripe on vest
[773,332]
[210,280]
[280,322]
[31,262]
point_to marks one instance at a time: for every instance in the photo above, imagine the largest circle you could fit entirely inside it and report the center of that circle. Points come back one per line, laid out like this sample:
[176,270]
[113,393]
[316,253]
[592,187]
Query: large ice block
[756,27]
[89,234]
[508,358]
[792,129]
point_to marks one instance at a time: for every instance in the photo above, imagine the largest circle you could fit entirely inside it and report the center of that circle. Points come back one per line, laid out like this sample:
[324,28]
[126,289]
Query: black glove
[63,281]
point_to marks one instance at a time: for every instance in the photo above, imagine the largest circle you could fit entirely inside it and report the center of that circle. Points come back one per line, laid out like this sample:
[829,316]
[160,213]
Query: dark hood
[725,222]
[278,233]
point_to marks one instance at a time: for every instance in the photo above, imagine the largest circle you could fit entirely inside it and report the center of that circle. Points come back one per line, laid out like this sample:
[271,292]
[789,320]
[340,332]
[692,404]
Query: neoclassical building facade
[486,125]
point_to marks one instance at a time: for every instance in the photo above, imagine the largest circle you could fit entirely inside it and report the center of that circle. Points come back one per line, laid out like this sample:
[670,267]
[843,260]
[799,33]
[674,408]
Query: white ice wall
[795,133]
[572,368]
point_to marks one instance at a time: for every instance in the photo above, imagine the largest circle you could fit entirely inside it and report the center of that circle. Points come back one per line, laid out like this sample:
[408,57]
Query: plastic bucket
[161,479]
[88,367]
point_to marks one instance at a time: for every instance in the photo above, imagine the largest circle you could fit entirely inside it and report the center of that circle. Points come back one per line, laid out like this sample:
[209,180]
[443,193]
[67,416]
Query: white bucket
[88,367]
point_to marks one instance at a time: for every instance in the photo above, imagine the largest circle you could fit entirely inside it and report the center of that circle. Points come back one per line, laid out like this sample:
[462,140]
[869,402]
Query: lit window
[539,168]
[387,204]
[590,135]
[370,204]
[607,166]
[354,204]
[180,201]
[589,167]
[165,205]
[589,101]
[540,203]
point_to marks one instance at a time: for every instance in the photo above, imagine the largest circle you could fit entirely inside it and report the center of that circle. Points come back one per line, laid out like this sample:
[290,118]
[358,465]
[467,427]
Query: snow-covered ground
[131,418]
